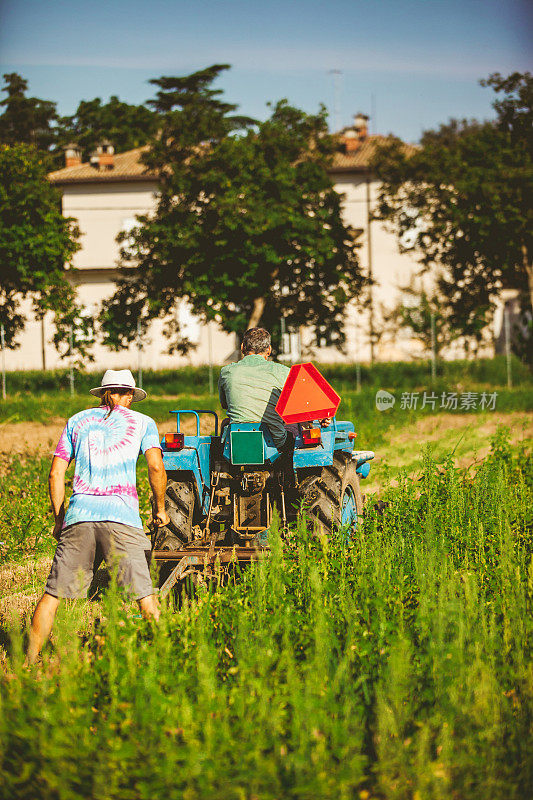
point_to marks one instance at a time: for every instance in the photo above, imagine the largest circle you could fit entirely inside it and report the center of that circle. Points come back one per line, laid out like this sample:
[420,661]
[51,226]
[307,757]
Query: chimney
[104,156]
[360,124]
[353,138]
[350,141]
[72,155]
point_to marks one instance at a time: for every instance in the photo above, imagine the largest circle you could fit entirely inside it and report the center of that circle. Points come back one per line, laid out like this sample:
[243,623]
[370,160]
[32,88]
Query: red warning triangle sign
[306,396]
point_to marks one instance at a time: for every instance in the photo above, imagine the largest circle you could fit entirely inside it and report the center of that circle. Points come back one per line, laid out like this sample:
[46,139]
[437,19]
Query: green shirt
[250,389]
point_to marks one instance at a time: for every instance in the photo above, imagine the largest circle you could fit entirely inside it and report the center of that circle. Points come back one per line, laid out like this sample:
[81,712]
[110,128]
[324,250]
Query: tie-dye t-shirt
[106,449]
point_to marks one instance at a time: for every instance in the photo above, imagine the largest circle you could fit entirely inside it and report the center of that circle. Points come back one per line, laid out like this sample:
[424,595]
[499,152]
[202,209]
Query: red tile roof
[126,167]
[129,167]
[359,160]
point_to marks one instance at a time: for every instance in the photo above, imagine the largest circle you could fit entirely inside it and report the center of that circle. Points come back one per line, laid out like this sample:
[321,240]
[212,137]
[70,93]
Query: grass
[396,665]
[44,396]
[195,380]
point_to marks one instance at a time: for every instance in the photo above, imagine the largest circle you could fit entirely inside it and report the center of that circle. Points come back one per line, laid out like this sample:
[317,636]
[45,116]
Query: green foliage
[36,244]
[29,120]
[24,508]
[125,126]
[26,120]
[475,374]
[194,381]
[248,226]
[42,396]
[395,665]
[421,314]
[515,107]
[464,198]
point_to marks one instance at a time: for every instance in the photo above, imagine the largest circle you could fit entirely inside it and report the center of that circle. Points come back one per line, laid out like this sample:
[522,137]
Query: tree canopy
[30,120]
[125,126]
[26,120]
[36,242]
[464,197]
[247,228]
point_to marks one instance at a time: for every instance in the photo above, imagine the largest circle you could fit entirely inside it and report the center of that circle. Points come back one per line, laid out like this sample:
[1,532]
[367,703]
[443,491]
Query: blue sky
[417,62]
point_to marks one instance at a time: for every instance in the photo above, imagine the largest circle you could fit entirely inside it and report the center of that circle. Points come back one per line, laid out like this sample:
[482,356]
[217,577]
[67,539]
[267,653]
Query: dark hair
[255,340]
[107,400]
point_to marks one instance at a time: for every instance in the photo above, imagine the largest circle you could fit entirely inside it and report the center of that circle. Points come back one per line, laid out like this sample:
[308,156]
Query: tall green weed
[396,664]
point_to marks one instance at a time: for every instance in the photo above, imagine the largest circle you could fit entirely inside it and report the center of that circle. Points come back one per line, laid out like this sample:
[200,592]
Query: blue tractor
[223,488]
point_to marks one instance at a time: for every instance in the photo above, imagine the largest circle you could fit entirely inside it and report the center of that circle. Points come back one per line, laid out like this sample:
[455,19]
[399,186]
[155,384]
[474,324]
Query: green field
[397,664]
[396,434]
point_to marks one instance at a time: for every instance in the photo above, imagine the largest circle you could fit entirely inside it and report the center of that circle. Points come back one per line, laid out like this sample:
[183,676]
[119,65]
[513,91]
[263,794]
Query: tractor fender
[193,458]
[361,458]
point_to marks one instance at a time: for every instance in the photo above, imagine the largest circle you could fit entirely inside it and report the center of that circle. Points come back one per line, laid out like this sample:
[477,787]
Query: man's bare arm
[158,482]
[56,488]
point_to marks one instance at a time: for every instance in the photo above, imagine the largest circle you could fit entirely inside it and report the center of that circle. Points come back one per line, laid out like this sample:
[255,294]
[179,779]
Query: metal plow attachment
[202,561]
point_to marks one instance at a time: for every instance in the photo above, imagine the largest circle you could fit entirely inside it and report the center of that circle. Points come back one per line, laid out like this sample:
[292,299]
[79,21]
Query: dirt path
[467,435]
[450,429]
[27,437]
[33,437]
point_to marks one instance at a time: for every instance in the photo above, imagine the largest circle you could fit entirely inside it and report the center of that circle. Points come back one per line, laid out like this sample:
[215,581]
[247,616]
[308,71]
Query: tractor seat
[248,444]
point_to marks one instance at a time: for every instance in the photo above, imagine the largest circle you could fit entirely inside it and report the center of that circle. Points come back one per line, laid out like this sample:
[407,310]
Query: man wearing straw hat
[105,443]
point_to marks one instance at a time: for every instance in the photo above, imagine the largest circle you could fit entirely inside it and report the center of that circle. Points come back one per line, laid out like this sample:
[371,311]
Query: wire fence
[291,352]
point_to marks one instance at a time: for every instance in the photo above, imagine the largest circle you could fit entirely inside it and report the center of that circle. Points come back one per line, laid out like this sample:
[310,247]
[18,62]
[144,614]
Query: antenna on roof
[337,73]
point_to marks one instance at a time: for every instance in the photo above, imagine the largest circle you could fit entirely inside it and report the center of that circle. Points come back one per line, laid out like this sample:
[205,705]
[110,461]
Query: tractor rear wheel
[333,498]
[179,505]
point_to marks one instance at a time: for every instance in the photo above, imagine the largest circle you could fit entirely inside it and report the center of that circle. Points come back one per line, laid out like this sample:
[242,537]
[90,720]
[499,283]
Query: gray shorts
[123,547]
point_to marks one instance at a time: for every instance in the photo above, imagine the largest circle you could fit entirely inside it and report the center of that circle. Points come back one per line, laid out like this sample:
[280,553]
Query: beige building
[105,196]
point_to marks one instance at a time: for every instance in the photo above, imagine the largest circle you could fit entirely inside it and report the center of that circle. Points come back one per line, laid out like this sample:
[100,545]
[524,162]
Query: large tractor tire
[333,499]
[179,504]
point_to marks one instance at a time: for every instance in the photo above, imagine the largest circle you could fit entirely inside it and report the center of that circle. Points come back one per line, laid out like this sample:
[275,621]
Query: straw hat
[119,379]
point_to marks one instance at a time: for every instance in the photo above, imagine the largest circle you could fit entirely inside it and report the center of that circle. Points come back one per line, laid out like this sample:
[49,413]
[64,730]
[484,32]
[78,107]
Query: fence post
[210,356]
[43,344]
[357,363]
[3,343]
[433,351]
[71,353]
[139,355]
[507,328]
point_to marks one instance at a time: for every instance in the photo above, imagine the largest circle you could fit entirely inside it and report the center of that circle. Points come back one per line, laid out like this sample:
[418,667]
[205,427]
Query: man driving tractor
[250,388]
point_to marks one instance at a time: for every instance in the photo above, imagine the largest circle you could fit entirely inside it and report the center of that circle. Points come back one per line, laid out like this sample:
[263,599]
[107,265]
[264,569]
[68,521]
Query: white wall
[102,211]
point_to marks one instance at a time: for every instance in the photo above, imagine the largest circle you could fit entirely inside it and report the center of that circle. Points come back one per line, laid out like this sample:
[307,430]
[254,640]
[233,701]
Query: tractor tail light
[174,441]
[311,436]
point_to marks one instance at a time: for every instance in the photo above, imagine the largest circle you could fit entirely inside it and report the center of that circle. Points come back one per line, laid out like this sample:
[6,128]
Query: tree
[126,126]
[248,226]
[26,120]
[36,245]
[465,198]
[427,316]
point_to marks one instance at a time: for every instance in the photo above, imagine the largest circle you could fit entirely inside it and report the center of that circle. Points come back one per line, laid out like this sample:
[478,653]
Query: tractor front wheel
[333,498]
